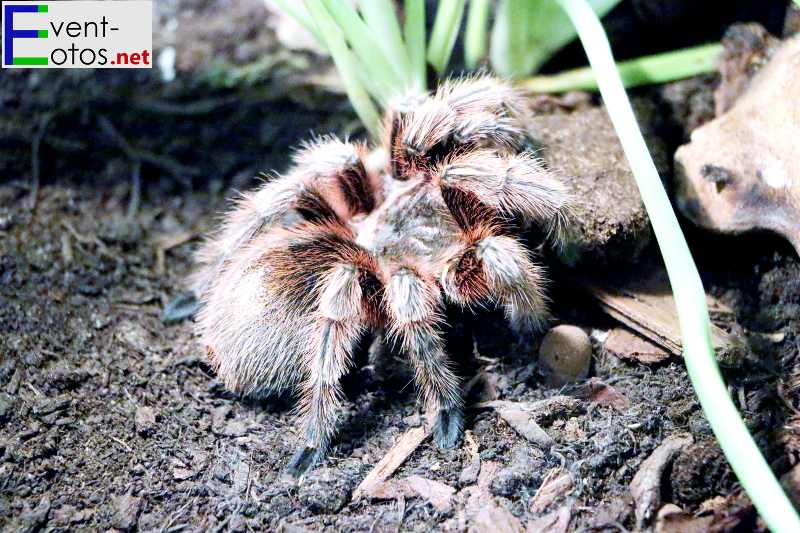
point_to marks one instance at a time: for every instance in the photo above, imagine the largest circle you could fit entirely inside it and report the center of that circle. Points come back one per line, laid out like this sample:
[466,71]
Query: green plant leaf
[414,33]
[380,17]
[476,32]
[659,68]
[302,17]
[527,33]
[386,77]
[346,65]
[445,33]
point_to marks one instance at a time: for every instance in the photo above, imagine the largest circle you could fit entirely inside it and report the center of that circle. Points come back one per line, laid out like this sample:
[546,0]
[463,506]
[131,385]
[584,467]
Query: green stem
[475,33]
[517,18]
[659,68]
[302,17]
[379,68]
[345,64]
[414,32]
[445,33]
[747,462]
[380,17]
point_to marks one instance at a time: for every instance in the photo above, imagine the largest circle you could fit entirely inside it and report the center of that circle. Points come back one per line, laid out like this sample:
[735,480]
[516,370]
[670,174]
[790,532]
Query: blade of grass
[302,17]
[510,50]
[475,32]
[547,30]
[445,33]
[380,69]
[414,33]
[747,462]
[658,68]
[380,17]
[345,64]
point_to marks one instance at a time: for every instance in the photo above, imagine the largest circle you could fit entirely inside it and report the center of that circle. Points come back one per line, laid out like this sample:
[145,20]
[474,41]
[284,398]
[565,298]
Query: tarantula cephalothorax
[341,244]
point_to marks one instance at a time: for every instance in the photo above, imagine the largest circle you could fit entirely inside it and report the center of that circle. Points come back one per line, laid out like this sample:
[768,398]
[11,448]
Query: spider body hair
[340,245]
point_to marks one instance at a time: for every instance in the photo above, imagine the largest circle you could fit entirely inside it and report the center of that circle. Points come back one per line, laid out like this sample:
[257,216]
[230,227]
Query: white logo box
[77,34]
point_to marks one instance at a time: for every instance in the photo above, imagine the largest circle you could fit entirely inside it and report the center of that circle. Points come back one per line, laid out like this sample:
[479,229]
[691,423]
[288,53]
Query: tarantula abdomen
[339,246]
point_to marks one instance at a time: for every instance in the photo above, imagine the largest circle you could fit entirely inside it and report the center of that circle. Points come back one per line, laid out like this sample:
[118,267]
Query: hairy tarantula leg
[519,282]
[413,305]
[518,185]
[500,265]
[342,321]
[330,179]
[500,132]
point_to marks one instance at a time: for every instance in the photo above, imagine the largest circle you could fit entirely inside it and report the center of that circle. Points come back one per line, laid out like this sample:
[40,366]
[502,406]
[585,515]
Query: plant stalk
[659,68]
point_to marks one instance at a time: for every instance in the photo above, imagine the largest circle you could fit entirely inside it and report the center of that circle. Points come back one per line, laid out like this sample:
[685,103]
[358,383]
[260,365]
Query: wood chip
[478,496]
[494,518]
[558,484]
[648,307]
[673,519]
[438,494]
[624,344]
[472,466]
[522,422]
[145,421]
[549,409]
[646,484]
[392,460]
[556,521]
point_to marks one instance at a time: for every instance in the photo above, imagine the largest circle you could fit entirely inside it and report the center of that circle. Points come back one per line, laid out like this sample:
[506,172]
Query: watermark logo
[77,34]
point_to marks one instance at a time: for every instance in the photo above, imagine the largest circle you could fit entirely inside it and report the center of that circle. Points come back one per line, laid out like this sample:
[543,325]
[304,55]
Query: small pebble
[565,355]
[145,421]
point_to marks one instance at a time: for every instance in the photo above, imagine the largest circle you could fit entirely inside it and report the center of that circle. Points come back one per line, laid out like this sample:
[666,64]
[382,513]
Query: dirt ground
[110,419]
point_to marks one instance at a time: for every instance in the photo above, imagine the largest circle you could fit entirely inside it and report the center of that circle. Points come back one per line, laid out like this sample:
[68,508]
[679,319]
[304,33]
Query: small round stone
[565,355]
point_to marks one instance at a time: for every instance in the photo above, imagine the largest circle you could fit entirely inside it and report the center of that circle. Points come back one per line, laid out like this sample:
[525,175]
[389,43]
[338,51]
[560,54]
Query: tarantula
[344,243]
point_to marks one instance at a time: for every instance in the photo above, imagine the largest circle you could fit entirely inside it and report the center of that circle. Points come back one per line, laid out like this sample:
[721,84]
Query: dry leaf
[494,518]
[596,391]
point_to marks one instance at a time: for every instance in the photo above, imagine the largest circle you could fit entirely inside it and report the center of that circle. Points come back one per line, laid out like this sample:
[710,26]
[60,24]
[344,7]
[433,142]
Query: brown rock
[583,146]
[565,355]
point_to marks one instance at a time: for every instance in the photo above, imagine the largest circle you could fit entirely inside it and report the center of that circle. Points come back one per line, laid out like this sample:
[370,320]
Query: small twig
[390,462]
[142,156]
[121,443]
[173,516]
[85,239]
[130,398]
[167,243]
[36,144]
[136,190]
